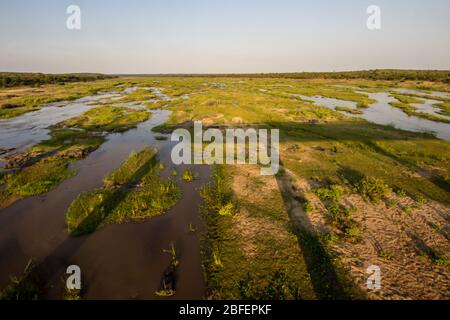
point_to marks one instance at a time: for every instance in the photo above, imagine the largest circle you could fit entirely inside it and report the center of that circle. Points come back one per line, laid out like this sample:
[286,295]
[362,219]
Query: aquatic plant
[27,286]
[188,175]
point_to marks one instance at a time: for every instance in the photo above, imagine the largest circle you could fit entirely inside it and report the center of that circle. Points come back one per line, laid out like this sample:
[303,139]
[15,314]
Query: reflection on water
[429,106]
[330,103]
[31,128]
[382,113]
[118,261]
[431,94]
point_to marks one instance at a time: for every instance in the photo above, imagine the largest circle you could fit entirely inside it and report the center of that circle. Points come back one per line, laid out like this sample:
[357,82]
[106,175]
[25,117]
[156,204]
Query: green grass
[39,178]
[317,145]
[329,91]
[412,111]
[437,257]
[340,217]
[406,98]
[66,138]
[308,207]
[349,110]
[363,149]
[29,99]
[370,150]
[157,104]
[127,171]
[333,193]
[7,112]
[275,271]
[72,295]
[444,107]
[165,293]
[108,118]
[386,255]
[342,154]
[139,95]
[373,189]
[121,200]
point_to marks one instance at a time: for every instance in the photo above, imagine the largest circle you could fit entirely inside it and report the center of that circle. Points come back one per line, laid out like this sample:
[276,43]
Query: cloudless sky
[212,36]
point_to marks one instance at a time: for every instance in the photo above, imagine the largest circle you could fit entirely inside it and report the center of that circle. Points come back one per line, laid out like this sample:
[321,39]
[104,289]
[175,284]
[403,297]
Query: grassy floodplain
[404,103]
[351,179]
[16,101]
[48,162]
[350,193]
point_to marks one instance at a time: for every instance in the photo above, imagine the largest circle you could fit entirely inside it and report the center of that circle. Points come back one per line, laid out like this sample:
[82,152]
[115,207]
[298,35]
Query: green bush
[373,189]
[333,193]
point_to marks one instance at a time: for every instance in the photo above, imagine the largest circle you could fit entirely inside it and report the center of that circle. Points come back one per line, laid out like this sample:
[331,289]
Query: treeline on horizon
[380,74]
[16,79]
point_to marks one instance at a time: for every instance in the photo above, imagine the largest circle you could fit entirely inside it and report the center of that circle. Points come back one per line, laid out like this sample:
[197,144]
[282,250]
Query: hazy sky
[212,36]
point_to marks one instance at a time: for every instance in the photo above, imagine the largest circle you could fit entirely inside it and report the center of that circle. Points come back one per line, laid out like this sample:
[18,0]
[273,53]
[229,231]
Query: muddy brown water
[123,261]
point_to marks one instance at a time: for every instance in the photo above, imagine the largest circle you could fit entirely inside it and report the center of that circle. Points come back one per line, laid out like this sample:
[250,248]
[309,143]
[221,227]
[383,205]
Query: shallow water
[330,103]
[33,127]
[118,261]
[428,106]
[382,113]
[425,93]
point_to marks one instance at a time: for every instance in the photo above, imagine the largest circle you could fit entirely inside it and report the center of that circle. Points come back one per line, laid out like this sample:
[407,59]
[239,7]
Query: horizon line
[222,73]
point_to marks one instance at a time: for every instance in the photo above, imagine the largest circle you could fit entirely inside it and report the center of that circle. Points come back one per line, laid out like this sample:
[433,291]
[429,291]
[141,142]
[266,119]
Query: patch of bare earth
[397,240]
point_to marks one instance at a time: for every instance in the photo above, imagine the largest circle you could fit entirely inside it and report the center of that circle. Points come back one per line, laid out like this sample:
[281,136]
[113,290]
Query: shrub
[353,233]
[437,257]
[308,207]
[386,255]
[329,238]
[391,203]
[333,193]
[373,189]
[400,192]
[227,210]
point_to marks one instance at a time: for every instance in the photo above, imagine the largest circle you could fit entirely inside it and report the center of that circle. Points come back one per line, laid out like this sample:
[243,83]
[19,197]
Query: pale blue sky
[212,36]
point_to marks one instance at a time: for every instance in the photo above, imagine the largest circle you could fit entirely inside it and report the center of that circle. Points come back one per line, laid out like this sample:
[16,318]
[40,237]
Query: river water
[31,128]
[118,261]
[381,112]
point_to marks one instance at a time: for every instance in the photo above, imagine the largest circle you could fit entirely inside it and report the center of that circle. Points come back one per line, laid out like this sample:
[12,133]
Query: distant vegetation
[382,74]
[14,79]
